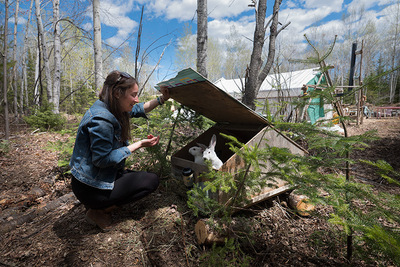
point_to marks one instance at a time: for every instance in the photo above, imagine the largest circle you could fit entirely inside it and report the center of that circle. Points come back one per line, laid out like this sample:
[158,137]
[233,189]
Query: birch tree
[256,72]
[5,102]
[202,37]
[24,85]
[14,73]
[393,18]
[36,93]
[98,61]
[45,54]
[57,56]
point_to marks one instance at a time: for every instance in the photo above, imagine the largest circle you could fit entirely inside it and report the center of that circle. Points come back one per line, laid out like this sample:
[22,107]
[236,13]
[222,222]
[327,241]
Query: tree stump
[205,235]
[301,204]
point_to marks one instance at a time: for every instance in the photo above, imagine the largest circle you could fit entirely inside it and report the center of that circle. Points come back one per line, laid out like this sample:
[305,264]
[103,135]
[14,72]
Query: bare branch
[138,44]
[283,27]
[158,62]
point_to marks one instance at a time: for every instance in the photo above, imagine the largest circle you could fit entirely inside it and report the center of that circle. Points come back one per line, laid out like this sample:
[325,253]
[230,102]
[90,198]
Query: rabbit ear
[203,147]
[213,141]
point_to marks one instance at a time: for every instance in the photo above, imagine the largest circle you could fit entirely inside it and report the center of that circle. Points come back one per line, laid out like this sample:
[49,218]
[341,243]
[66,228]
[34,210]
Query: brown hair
[115,84]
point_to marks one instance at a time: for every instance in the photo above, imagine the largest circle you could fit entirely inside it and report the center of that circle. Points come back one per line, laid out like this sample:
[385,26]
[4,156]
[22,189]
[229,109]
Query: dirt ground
[42,224]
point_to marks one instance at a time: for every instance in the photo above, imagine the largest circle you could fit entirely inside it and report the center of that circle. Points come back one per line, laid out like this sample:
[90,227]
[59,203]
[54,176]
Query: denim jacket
[99,151]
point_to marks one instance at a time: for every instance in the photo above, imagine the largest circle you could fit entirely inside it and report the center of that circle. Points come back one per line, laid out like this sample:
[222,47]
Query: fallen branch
[8,226]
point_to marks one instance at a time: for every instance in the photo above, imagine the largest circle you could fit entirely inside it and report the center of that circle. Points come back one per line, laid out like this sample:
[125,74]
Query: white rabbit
[209,154]
[197,152]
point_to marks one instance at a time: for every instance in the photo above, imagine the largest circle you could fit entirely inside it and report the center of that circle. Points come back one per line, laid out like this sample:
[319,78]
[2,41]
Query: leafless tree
[45,54]
[57,56]
[24,86]
[202,37]
[394,40]
[5,102]
[98,61]
[256,73]
[14,70]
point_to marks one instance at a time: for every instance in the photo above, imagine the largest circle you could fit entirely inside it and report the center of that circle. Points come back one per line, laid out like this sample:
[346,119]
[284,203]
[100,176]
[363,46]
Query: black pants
[129,186]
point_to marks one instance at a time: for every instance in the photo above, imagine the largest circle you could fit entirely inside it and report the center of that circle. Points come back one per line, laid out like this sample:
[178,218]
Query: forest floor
[42,224]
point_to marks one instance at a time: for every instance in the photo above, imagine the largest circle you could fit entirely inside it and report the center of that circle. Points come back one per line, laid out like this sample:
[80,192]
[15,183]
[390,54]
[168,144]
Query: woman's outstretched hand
[149,142]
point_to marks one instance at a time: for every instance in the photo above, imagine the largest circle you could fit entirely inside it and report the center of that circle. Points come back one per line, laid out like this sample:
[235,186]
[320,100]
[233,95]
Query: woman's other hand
[165,92]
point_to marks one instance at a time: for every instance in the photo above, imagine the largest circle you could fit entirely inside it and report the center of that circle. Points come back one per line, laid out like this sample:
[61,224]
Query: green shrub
[228,255]
[65,149]
[4,147]
[175,130]
[44,119]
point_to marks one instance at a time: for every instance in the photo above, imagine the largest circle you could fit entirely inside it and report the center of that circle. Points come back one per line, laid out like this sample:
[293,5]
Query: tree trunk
[255,75]
[24,87]
[71,90]
[272,43]
[98,61]
[255,60]
[14,73]
[394,56]
[393,85]
[6,118]
[36,93]
[45,55]
[202,37]
[57,57]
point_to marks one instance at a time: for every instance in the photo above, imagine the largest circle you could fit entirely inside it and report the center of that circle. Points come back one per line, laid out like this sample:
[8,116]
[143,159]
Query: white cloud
[385,17]
[326,6]
[386,2]
[300,19]
[21,21]
[355,4]
[184,10]
[329,29]
[222,28]
[218,9]
[115,14]
[291,4]
[309,17]
[87,26]
[181,10]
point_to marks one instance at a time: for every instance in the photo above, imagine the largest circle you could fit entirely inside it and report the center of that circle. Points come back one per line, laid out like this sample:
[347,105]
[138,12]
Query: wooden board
[194,91]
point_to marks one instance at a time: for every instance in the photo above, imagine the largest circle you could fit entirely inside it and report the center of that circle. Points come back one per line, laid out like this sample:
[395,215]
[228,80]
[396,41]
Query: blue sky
[120,19]
[169,16]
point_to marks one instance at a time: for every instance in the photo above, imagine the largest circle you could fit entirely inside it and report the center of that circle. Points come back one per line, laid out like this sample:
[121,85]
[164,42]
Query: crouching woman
[100,181]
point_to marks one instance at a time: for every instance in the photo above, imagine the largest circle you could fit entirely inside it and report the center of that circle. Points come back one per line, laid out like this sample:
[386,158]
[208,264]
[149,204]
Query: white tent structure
[279,87]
